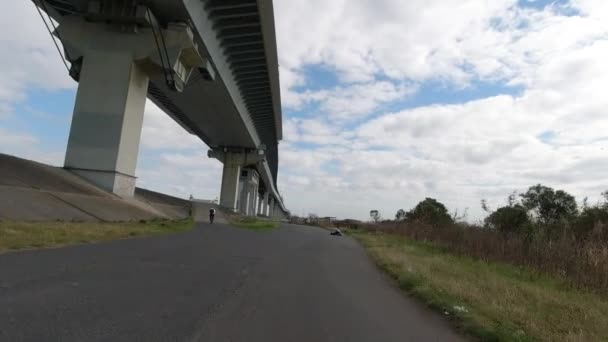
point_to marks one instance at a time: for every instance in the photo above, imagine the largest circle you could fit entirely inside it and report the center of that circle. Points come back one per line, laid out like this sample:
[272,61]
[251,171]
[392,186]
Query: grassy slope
[19,235]
[502,302]
[254,224]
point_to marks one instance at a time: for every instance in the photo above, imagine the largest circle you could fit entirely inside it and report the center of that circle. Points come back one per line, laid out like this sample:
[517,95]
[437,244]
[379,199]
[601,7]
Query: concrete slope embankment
[31,191]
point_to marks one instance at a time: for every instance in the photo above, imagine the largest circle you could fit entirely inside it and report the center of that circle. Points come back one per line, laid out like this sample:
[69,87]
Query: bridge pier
[259,207]
[265,204]
[249,183]
[239,183]
[113,67]
[107,122]
[231,176]
[271,208]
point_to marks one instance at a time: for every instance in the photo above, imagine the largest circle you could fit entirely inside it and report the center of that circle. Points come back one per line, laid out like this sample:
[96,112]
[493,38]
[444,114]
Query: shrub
[592,223]
[400,215]
[551,207]
[509,219]
[430,211]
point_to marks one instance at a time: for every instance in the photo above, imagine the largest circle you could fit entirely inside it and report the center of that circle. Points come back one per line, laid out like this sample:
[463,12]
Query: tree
[550,206]
[456,217]
[512,199]
[484,205]
[509,219]
[430,211]
[375,215]
[400,216]
[593,220]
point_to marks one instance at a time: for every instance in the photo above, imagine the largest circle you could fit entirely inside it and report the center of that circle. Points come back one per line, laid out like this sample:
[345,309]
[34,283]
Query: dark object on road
[336,232]
[211,215]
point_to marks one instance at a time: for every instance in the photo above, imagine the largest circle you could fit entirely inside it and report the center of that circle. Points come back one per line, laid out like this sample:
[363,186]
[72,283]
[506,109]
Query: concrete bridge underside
[211,65]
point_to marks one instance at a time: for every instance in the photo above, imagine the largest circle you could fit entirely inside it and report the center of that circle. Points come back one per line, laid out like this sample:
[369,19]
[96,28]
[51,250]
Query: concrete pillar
[108,116]
[260,205]
[252,195]
[252,200]
[271,209]
[248,188]
[265,204]
[231,176]
[256,203]
[244,196]
[237,179]
[112,67]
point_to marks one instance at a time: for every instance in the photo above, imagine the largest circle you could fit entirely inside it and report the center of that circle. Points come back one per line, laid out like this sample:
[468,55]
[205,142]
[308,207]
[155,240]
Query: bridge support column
[236,191]
[106,126]
[265,204]
[259,210]
[231,176]
[113,68]
[271,209]
[253,199]
[248,190]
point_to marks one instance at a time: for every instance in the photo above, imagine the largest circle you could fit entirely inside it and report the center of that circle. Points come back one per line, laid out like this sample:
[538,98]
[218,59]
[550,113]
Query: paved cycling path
[215,283]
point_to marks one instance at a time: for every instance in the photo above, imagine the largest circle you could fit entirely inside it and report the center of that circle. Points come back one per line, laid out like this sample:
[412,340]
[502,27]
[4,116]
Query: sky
[385,102]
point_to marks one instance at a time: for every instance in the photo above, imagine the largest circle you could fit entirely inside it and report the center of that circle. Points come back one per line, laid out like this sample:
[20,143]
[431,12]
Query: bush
[509,219]
[592,223]
[551,207]
[430,211]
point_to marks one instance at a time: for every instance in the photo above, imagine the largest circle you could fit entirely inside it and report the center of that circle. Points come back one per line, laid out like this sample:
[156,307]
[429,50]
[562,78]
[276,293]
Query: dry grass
[502,302]
[23,235]
[580,262]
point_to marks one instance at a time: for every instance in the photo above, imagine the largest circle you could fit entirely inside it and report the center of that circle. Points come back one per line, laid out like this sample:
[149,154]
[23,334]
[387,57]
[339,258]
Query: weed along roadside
[27,235]
[489,300]
[254,223]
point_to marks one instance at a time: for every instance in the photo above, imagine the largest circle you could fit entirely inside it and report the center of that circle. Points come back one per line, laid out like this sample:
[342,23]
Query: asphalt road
[216,283]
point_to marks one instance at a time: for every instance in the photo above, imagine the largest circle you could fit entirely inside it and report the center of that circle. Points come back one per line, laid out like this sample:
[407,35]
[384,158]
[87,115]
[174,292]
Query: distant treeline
[542,229]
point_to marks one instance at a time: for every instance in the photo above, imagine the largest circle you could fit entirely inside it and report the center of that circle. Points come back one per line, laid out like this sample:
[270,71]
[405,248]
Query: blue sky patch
[561,7]
[46,115]
[438,93]
[318,77]
[547,136]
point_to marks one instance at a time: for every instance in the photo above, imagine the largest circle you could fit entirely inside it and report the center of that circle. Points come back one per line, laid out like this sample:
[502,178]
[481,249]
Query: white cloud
[25,145]
[418,40]
[357,101]
[28,59]
[181,174]
[485,148]
[160,132]
[12,139]
[381,53]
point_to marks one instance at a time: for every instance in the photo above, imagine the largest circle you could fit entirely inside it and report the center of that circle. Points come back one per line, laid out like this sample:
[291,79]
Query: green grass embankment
[27,235]
[490,301]
[254,223]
